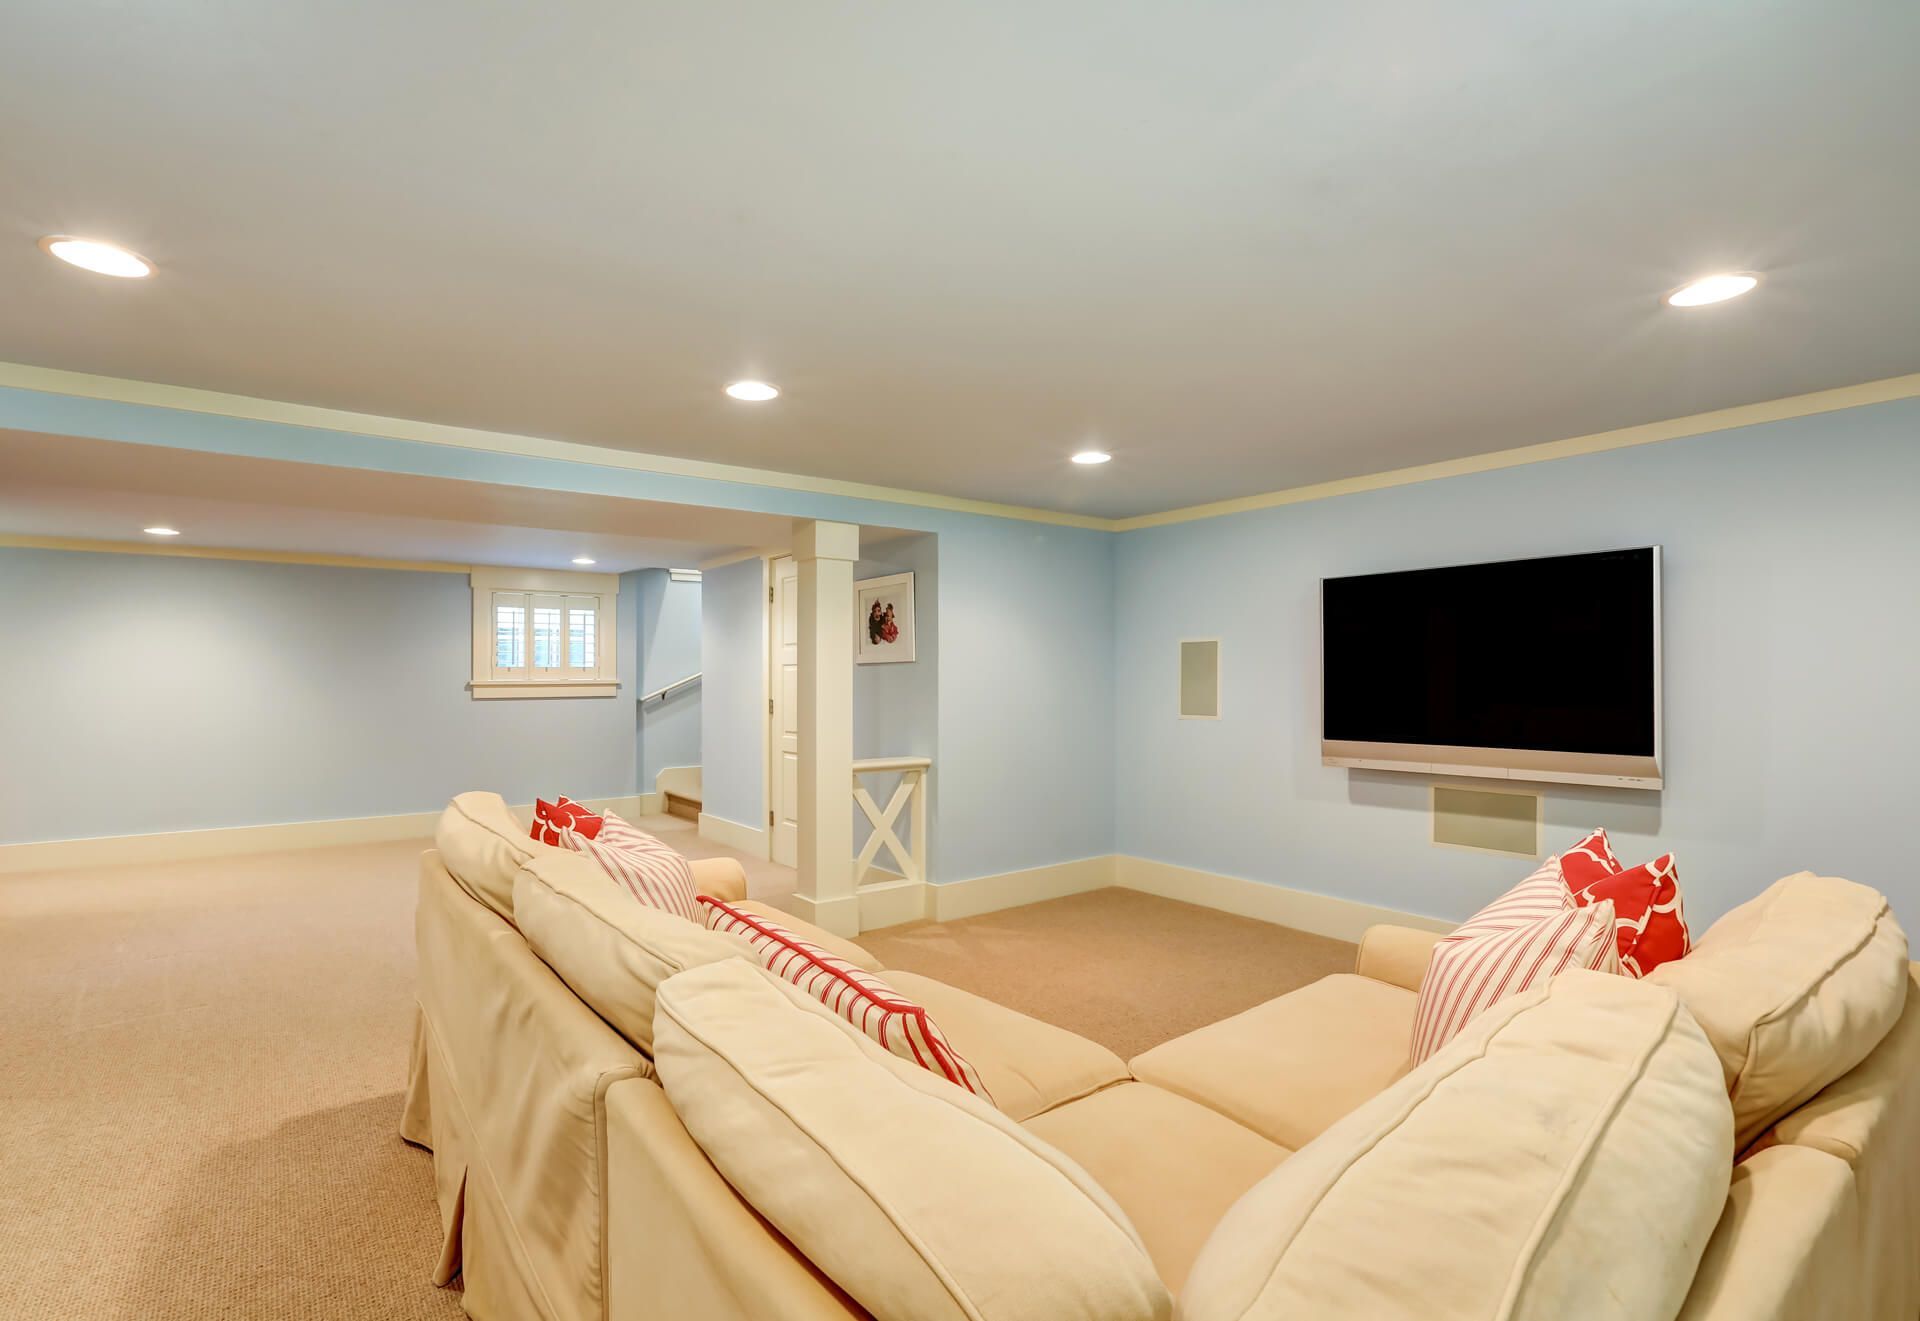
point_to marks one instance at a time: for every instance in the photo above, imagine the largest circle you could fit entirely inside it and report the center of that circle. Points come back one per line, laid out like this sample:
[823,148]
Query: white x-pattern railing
[910,795]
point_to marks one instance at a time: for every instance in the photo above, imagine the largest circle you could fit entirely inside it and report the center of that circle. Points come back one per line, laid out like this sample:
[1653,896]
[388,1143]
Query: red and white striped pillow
[1529,935]
[652,872]
[1650,919]
[864,1000]
[549,819]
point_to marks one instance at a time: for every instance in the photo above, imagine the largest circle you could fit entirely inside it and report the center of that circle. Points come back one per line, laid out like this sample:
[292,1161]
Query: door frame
[771,661]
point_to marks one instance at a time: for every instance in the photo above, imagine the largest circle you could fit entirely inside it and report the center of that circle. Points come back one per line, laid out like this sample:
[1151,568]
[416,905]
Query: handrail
[677,683]
[881,765]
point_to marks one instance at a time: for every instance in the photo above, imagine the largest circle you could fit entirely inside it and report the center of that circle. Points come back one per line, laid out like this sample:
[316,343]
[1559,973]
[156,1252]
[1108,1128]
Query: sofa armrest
[722,878]
[1396,955]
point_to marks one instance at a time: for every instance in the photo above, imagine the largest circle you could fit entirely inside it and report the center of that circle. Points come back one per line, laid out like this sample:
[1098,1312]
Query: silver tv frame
[1507,763]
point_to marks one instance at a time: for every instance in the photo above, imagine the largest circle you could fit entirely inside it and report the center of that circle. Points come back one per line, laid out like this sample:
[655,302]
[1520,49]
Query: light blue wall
[896,707]
[733,697]
[149,694]
[1026,689]
[1792,684]
[668,624]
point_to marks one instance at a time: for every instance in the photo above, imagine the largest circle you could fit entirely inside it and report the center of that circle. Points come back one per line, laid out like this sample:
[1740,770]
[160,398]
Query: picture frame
[883,620]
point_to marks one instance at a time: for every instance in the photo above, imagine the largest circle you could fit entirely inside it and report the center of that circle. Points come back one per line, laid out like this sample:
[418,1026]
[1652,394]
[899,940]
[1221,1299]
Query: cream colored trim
[649,804]
[889,903]
[1322,914]
[49,380]
[1699,424]
[491,690]
[990,894]
[733,834]
[226,553]
[184,845]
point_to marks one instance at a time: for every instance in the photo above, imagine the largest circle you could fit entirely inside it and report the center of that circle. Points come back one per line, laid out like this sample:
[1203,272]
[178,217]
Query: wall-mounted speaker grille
[1200,679]
[1492,820]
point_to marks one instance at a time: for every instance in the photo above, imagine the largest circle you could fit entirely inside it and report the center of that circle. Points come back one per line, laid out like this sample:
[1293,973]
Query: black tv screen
[1551,655]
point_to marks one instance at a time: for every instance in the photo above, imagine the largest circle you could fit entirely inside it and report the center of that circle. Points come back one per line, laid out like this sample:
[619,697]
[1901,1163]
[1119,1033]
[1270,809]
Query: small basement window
[543,634]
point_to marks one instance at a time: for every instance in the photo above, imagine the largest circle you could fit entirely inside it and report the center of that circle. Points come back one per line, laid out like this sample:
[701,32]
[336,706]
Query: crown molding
[50,380]
[1648,433]
[228,553]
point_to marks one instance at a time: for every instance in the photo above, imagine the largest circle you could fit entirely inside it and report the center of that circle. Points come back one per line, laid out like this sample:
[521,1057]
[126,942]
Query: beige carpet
[1129,970]
[203,1065]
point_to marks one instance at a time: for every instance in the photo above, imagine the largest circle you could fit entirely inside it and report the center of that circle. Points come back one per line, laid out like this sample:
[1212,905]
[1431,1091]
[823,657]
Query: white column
[824,554]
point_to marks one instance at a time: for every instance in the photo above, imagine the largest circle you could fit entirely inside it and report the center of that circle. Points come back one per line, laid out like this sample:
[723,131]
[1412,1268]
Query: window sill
[494,689]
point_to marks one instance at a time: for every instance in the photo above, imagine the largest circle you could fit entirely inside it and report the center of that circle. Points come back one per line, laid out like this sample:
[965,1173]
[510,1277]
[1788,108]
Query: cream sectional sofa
[633,1121]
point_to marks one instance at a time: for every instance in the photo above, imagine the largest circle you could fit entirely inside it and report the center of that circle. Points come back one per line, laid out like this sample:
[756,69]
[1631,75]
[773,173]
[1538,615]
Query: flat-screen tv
[1542,669]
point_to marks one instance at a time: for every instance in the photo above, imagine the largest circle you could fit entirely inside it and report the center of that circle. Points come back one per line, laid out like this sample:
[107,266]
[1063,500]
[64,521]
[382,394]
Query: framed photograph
[883,619]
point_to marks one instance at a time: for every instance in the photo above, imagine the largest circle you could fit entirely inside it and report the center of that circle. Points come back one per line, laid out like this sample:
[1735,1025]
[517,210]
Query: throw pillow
[549,819]
[652,871]
[1527,936]
[1650,918]
[864,1000]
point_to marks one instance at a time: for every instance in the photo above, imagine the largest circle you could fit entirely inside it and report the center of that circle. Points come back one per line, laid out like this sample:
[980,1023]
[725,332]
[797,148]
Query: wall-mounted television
[1541,669]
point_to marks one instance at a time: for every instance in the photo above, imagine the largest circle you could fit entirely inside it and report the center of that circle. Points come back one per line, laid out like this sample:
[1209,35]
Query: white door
[784,684]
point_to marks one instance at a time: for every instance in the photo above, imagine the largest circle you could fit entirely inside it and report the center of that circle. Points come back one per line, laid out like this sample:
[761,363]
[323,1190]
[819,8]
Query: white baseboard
[987,894]
[1325,915]
[1322,914]
[747,839]
[888,903]
[230,841]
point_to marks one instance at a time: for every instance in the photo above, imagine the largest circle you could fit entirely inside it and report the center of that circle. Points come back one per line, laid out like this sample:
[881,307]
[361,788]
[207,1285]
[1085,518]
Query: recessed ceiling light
[1712,289]
[93,255]
[583,559]
[1091,457]
[161,531]
[752,392]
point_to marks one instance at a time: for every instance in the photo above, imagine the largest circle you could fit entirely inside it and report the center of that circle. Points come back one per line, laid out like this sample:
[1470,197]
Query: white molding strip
[989,894]
[888,903]
[227,553]
[151,394]
[1321,914]
[227,841]
[734,835]
[1324,915]
[49,380]
[1698,424]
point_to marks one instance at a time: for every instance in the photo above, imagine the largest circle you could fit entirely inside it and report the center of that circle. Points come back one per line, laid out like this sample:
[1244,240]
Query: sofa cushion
[646,867]
[610,951]
[1174,1166]
[1029,1066]
[917,1198]
[1794,988]
[1649,913]
[838,946]
[891,1020]
[1566,1157]
[549,819]
[1526,937]
[1291,1067]
[483,845]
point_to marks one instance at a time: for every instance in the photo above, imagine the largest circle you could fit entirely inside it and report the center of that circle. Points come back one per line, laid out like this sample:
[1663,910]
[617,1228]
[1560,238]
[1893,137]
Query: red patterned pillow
[652,872]
[1529,935]
[549,819]
[1650,917]
[864,1000]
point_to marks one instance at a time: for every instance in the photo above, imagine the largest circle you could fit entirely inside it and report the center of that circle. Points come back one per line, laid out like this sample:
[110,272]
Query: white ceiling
[1244,245]
[96,490]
